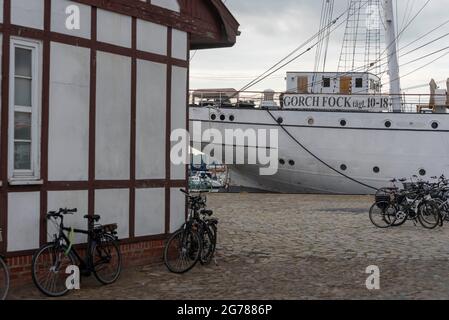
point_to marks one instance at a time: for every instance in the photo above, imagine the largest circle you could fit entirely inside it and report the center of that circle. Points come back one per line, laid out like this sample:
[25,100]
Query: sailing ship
[338,132]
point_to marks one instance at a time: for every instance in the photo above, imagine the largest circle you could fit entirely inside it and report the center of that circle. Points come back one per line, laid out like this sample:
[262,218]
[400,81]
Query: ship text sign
[336,102]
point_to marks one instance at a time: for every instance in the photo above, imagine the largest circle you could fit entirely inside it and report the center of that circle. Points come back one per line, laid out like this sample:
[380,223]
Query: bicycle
[440,195]
[419,207]
[102,259]
[393,207]
[195,241]
[382,213]
[4,275]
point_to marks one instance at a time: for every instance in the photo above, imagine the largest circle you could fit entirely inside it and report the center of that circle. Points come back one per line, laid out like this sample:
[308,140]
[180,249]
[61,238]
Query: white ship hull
[410,146]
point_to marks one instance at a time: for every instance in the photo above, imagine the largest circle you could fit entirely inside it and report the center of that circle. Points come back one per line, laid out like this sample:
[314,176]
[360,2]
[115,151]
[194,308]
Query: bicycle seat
[95,217]
[207,212]
[213,220]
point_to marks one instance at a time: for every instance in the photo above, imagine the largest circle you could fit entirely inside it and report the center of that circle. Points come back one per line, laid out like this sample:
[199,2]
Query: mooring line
[318,158]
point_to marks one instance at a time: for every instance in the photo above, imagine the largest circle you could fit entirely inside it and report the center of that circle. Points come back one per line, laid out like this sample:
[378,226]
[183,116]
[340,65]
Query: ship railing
[230,98]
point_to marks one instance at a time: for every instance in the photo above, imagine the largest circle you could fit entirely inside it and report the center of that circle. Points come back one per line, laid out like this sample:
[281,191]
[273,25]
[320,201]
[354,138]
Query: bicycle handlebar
[65,211]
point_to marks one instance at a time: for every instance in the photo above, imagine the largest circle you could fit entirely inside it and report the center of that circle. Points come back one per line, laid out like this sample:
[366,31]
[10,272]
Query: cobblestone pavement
[295,247]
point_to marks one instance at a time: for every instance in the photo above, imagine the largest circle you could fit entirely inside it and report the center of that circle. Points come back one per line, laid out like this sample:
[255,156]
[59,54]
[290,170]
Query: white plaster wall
[151,120]
[113,117]
[59,17]
[167,4]
[28,13]
[179,44]
[150,212]
[68,149]
[178,112]
[178,209]
[114,28]
[69,199]
[23,221]
[151,37]
[113,207]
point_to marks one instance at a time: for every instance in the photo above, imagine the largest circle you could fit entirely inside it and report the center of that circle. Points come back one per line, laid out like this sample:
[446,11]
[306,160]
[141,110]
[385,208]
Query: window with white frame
[24,151]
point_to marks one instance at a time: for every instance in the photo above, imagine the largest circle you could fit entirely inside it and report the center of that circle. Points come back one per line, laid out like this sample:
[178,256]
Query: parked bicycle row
[423,202]
[195,242]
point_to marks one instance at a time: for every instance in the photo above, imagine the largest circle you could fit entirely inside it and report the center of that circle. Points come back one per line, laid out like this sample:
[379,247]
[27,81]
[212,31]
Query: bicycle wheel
[442,211]
[429,215]
[382,214]
[400,217]
[106,260]
[183,250]
[4,279]
[213,228]
[208,245]
[49,269]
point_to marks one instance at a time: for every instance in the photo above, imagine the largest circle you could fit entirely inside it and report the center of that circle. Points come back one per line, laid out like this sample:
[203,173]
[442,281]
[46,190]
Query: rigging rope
[400,33]
[426,34]
[318,158]
[267,73]
[264,75]
[427,64]
[331,10]
[327,10]
[381,74]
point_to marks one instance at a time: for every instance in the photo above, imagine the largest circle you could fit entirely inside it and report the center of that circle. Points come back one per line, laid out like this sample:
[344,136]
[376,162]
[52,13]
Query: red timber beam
[208,21]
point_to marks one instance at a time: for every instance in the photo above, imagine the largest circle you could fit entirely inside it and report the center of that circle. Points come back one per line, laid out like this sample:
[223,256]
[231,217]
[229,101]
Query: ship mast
[393,64]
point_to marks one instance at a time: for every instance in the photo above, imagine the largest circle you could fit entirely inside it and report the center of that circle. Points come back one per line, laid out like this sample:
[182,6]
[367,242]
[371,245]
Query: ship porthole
[222,117]
[282,161]
[376,169]
[291,162]
[213,117]
[343,123]
[422,172]
[388,124]
[343,167]
[435,125]
[310,121]
[280,120]
[231,118]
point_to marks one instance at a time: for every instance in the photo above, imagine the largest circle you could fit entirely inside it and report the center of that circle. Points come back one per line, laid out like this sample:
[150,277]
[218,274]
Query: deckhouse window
[326,82]
[24,110]
[359,83]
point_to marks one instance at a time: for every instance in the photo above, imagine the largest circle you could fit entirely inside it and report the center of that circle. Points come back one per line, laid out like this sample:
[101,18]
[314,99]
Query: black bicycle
[4,275]
[102,258]
[195,241]
[394,206]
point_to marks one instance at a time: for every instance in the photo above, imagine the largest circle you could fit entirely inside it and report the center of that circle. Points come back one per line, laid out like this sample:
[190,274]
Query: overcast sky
[272,28]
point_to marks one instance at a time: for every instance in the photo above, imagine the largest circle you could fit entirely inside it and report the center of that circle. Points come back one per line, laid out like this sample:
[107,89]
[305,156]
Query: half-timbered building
[87,108]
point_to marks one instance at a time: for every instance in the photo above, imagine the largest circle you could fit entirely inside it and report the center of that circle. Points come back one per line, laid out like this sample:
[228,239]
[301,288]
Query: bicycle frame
[413,205]
[86,263]
[444,208]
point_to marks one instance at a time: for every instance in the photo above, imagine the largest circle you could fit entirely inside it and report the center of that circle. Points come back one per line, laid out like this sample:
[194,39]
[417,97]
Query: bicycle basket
[383,195]
[109,228]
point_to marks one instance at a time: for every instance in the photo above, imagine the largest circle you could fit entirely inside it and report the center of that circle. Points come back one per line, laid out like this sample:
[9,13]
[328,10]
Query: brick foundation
[133,255]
